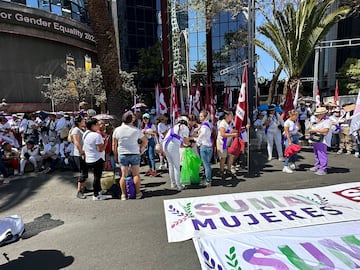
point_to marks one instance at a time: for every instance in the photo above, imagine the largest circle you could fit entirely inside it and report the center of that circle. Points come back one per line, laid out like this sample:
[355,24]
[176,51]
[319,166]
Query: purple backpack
[130,187]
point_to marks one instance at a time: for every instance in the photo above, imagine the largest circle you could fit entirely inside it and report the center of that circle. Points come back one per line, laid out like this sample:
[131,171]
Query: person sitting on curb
[29,153]
[50,154]
[11,157]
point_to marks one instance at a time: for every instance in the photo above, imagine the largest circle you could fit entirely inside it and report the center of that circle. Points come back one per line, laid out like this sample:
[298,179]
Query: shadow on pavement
[159,192]
[38,259]
[40,224]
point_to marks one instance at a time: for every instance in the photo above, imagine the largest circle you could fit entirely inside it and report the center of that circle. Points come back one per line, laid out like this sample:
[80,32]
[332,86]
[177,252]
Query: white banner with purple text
[260,211]
[329,246]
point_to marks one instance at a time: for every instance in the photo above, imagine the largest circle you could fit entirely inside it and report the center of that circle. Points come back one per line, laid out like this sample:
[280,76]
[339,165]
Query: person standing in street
[291,132]
[127,149]
[321,128]
[94,148]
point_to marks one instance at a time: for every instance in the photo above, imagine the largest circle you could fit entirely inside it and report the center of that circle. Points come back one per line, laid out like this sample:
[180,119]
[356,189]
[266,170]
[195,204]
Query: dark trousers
[83,168]
[98,167]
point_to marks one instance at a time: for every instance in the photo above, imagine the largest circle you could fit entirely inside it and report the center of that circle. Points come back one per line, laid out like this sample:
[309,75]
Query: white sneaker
[99,198]
[281,158]
[293,166]
[6,181]
[173,185]
[286,169]
[162,167]
[339,152]
[269,158]
[356,154]
[348,153]
[16,172]
[21,173]
[233,170]
[313,169]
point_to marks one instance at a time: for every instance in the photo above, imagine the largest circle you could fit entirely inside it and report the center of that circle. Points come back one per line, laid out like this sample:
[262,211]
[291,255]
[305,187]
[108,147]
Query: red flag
[336,97]
[241,107]
[226,98]
[174,103]
[288,105]
[317,97]
[163,108]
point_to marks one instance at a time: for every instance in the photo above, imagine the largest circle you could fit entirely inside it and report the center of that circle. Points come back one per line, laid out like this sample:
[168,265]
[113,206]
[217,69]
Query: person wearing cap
[273,124]
[304,114]
[260,129]
[176,137]
[126,148]
[50,154]
[30,153]
[149,130]
[322,127]
[162,129]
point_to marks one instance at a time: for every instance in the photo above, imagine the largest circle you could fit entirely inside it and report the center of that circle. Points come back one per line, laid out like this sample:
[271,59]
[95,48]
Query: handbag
[316,137]
[158,146]
[237,147]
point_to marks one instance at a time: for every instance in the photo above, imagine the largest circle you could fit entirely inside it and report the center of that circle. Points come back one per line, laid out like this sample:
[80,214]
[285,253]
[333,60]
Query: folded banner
[330,246]
[260,211]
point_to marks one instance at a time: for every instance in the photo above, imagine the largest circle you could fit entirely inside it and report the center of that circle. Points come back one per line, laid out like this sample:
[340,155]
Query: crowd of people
[58,141]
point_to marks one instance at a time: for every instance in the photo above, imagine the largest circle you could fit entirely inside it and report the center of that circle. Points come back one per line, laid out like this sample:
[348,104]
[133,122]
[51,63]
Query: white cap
[60,113]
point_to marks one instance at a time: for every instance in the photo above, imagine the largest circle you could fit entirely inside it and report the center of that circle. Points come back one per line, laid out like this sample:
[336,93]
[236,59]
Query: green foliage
[198,72]
[349,77]
[294,33]
[232,260]
[150,63]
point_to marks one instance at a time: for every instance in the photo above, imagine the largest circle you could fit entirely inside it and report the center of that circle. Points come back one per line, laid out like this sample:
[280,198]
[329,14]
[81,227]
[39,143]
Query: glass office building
[74,9]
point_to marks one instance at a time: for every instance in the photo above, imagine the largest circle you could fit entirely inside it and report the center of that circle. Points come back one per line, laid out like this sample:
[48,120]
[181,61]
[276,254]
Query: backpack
[69,137]
[130,187]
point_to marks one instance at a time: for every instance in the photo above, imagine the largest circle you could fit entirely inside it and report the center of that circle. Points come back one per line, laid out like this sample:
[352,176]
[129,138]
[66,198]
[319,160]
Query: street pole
[52,94]
[316,71]
[185,33]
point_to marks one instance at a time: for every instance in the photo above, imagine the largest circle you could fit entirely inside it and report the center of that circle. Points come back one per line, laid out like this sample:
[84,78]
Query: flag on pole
[288,105]
[226,98]
[296,95]
[241,107]
[157,99]
[357,106]
[174,103]
[163,108]
[336,96]
[317,97]
[197,101]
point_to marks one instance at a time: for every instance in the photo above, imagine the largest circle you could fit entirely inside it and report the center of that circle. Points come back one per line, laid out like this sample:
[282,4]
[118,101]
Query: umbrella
[139,105]
[265,107]
[355,123]
[104,117]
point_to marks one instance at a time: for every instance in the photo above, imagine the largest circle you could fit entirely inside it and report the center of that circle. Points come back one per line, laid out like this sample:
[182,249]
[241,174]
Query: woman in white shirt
[322,127]
[162,129]
[291,132]
[94,148]
[175,138]
[204,141]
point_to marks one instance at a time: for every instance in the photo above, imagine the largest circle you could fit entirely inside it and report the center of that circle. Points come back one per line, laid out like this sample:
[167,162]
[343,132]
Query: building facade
[34,44]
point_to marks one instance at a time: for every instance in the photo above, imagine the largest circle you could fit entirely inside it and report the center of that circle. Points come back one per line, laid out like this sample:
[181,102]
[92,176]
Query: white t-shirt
[152,127]
[227,127]
[204,137]
[324,123]
[275,121]
[181,130]
[162,128]
[78,131]
[91,139]
[127,137]
[293,127]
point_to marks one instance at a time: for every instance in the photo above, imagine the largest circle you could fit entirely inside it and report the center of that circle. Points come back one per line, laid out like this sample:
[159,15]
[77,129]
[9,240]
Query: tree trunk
[273,84]
[118,99]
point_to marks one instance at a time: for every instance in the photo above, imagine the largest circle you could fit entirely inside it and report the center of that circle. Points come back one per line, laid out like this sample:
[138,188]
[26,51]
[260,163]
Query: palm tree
[295,33]
[118,98]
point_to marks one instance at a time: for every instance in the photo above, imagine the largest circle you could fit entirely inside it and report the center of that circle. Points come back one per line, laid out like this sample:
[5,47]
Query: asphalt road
[63,232]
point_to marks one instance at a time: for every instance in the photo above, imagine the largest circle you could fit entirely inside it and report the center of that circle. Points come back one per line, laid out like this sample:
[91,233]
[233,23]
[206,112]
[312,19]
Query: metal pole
[52,94]
[316,71]
[188,74]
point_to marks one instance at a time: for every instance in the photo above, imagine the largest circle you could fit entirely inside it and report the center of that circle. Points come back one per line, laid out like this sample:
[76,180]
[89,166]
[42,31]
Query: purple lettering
[292,201]
[208,222]
[331,211]
[207,209]
[310,212]
[237,223]
[269,217]
[254,221]
[290,214]
[249,256]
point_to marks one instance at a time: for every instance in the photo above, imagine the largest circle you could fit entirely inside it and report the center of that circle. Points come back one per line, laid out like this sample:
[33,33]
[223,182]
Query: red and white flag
[197,101]
[241,107]
[163,108]
[336,96]
[174,104]
[288,105]
[317,97]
